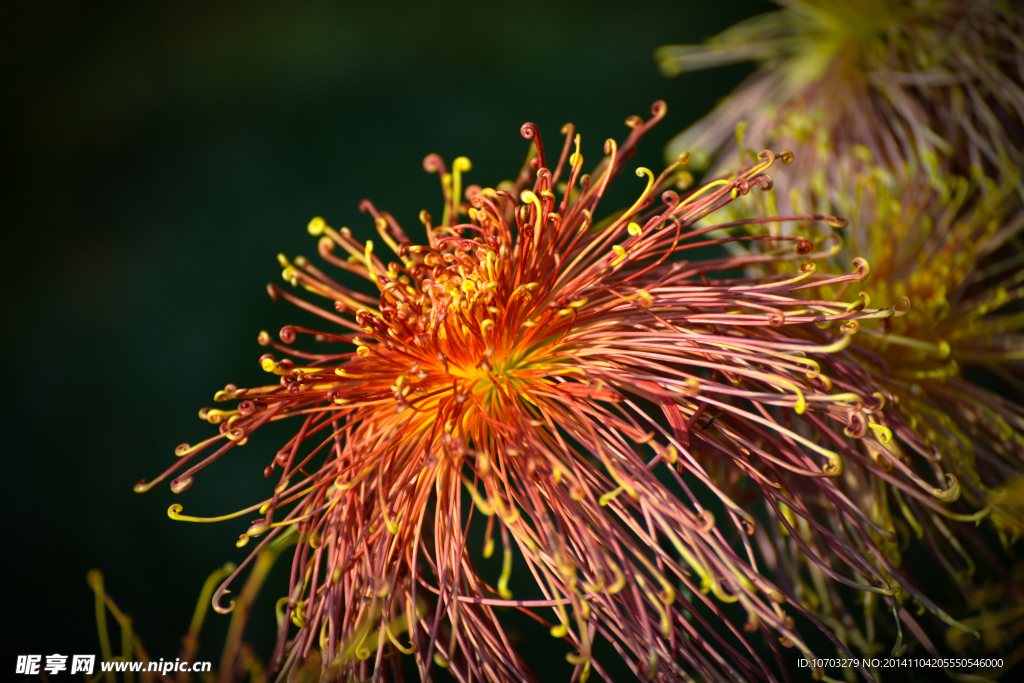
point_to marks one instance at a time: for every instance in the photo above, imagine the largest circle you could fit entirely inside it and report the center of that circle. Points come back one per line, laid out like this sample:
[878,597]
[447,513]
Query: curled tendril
[883,433]
[316,226]
[658,111]
[433,163]
[950,494]
[870,410]
[834,467]
[897,311]
[365,205]
[530,131]
[863,268]
[544,175]
[707,521]
[394,641]
[226,394]
[856,425]
[461,165]
[835,244]
[478,200]
[854,306]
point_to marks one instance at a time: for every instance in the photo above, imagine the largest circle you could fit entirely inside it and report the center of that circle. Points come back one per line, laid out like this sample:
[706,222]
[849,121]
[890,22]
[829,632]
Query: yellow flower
[907,119]
[936,84]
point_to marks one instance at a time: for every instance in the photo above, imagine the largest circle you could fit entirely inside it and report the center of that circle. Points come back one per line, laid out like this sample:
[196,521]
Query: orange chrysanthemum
[568,381]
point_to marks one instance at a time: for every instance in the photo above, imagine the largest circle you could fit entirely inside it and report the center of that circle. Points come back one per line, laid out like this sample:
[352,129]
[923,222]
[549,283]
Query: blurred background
[159,156]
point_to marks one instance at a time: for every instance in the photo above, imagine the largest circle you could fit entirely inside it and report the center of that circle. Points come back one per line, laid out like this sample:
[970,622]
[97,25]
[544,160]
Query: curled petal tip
[258,527]
[950,494]
[862,266]
[856,426]
[316,226]
[833,468]
[220,609]
[432,163]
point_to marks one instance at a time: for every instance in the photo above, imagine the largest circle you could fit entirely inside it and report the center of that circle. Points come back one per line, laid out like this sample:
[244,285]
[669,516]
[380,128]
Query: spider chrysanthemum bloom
[907,118]
[919,82]
[924,246]
[559,380]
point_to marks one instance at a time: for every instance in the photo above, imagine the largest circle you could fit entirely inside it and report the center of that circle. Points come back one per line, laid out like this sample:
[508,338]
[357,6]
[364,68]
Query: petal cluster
[603,407]
[905,118]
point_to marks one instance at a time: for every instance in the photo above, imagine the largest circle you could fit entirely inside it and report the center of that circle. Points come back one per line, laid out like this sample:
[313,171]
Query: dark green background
[158,157]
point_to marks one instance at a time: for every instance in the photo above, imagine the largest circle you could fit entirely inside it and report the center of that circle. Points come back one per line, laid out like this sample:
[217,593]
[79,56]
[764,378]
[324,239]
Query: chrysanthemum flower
[924,247]
[906,118]
[569,383]
[916,82]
